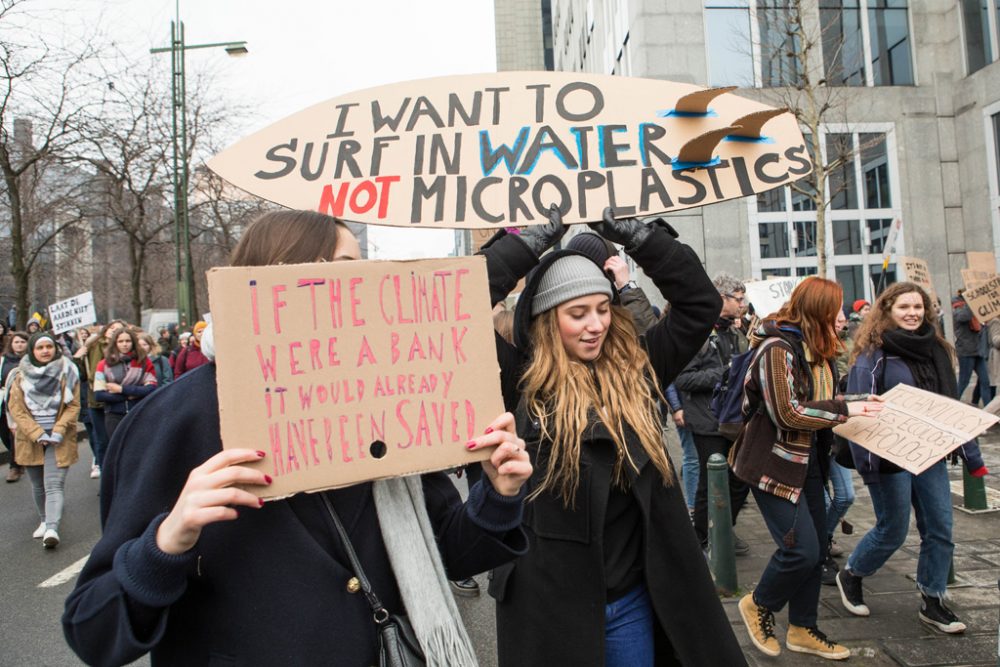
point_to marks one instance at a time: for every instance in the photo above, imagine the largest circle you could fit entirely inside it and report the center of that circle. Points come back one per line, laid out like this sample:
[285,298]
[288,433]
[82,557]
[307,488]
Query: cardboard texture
[318,361]
[971,277]
[915,270]
[767,296]
[72,313]
[984,299]
[496,150]
[916,428]
[752,124]
[984,262]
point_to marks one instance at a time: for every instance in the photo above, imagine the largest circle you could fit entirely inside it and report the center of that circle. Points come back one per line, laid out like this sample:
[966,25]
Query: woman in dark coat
[614,574]
[195,569]
[15,347]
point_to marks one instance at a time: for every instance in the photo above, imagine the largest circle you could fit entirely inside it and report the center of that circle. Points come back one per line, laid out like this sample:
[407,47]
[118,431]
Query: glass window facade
[751,43]
[872,53]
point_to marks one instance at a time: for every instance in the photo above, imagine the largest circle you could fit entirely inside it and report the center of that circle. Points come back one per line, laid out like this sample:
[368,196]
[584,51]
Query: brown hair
[879,320]
[10,339]
[112,356]
[288,237]
[154,347]
[503,322]
[813,308]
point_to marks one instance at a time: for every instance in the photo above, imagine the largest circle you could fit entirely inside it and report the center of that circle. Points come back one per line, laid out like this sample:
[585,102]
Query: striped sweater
[789,400]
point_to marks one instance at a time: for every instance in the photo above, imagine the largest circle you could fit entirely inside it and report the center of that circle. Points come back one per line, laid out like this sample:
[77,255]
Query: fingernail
[489,429]
[260,454]
[471,444]
[260,502]
[267,478]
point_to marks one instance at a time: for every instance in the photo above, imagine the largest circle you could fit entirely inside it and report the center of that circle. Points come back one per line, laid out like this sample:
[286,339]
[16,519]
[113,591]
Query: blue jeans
[794,573]
[689,466]
[628,630]
[966,365]
[100,434]
[930,495]
[843,496]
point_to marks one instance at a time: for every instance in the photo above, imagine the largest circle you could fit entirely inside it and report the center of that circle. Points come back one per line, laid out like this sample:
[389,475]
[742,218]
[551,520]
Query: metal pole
[722,557]
[188,269]
[180,204]
[973,492]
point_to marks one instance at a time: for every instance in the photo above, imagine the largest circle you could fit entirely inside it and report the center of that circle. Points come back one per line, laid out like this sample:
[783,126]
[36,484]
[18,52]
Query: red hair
[813,309]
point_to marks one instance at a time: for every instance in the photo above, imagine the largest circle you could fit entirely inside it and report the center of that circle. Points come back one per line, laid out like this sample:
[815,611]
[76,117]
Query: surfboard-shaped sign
[493,150]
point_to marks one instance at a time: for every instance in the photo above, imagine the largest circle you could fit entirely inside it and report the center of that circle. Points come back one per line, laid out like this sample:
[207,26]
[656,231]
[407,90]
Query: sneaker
[851,594]
[51,539]
[14,473]
[759,622]
[740,546]
[811,640]
[467,588]
[835,549]
[934,613]
[830,570]
[95,471]
[39,531]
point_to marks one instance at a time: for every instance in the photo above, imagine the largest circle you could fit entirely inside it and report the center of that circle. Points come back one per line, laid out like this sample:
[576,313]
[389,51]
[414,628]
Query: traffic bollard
[722,557]
[973,491]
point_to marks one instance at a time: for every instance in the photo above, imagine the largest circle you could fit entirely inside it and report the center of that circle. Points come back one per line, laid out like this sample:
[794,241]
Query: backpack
[728,394]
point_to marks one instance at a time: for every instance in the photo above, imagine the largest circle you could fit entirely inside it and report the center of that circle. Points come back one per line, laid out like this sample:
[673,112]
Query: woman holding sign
[194,568]
[614,575]
[899,343]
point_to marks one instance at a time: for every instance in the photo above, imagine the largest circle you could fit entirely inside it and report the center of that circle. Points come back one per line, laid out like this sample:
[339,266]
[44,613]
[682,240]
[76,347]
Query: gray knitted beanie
[568,278]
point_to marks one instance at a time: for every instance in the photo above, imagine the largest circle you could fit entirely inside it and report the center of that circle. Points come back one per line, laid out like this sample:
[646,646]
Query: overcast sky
[306,51]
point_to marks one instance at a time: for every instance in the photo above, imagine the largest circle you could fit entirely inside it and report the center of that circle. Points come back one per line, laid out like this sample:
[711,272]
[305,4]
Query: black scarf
[928,360]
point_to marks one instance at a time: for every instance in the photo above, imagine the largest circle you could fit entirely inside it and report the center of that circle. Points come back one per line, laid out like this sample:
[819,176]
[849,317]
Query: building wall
[519,35]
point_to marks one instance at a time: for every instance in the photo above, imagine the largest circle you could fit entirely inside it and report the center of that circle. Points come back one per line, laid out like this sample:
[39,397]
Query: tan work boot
[760,625]
[811,640]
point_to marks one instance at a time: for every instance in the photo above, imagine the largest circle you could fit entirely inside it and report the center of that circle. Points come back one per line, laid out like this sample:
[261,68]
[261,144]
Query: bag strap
[379,613]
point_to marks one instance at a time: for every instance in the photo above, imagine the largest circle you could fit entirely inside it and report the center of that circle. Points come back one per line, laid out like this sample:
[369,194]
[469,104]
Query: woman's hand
[113,388]
[867,408]
[509,467]
[628,232]
[209,496]
[679,418]
[619,269]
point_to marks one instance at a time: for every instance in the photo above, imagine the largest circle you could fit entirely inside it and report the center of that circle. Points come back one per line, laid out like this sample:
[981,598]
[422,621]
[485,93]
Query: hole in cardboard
[378,449]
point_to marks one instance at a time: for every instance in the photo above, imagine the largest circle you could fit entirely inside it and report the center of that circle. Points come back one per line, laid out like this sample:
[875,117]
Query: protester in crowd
[191,356]
[15,348]
[696,384]
[161,366]
[166,341]
[93,354]
[183,340]
[972,348]
[900,344]
[124,377]
[859,311]
[612,549]
[841,482]
[44,402]
[187,584]
[782,452]
[689,452]
[79,352]
[33,327]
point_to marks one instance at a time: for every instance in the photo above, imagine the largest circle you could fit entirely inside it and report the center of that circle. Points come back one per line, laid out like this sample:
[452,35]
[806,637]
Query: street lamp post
[182,231]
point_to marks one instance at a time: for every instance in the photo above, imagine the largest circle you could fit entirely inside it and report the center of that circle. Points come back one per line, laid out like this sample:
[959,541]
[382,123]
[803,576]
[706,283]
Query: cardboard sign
[984,262]
[73,313]
[916,271]
[916,428]
[984,299]
[767,296]
[493,150]
[316,362]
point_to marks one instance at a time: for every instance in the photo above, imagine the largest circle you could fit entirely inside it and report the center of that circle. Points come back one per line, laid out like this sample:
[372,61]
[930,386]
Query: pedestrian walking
[44,401]
[124,377]
[194,568]
[161,365]
[614,575]
[782,453]
[900,344]
[973,349]
[191,357]
[15,348]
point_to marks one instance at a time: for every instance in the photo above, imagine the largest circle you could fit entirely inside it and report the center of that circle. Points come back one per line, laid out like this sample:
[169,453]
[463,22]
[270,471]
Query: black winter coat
[696,383]
[551,601]
[266,589]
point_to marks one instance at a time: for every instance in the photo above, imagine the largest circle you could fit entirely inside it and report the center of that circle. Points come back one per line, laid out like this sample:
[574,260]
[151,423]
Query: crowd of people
[595,541]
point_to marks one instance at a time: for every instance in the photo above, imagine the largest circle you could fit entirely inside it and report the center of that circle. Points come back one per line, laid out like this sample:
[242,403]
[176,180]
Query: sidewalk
[893,635]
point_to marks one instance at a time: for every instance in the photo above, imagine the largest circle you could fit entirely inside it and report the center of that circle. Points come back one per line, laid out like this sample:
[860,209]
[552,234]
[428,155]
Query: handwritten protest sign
[73,313]
[984,299]
[916,428]
[492,150]
[915,270]
[316,362]
[983,262]
[767,296]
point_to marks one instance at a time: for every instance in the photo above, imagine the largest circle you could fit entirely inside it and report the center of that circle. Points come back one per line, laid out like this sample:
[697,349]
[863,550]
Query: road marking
[66,575]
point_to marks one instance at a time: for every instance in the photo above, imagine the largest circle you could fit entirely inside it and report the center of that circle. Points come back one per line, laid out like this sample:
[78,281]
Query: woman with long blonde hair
[899,343]
[782,453]
[614,574]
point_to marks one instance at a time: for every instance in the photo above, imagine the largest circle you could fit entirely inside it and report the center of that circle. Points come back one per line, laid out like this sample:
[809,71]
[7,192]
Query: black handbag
[397,642]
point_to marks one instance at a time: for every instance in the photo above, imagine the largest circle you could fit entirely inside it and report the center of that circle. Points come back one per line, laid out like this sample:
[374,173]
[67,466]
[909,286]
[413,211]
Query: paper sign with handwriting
[984,299]
[916,428]
[498,149]
[73,313]
[350,371]
[767,296]
[915,270]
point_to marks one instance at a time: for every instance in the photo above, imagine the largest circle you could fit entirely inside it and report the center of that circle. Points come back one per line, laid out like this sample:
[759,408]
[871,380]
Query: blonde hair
[619,386]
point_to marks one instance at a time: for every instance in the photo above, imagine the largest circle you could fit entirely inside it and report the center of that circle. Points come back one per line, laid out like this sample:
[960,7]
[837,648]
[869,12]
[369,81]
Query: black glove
[540,238]
[628,232]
